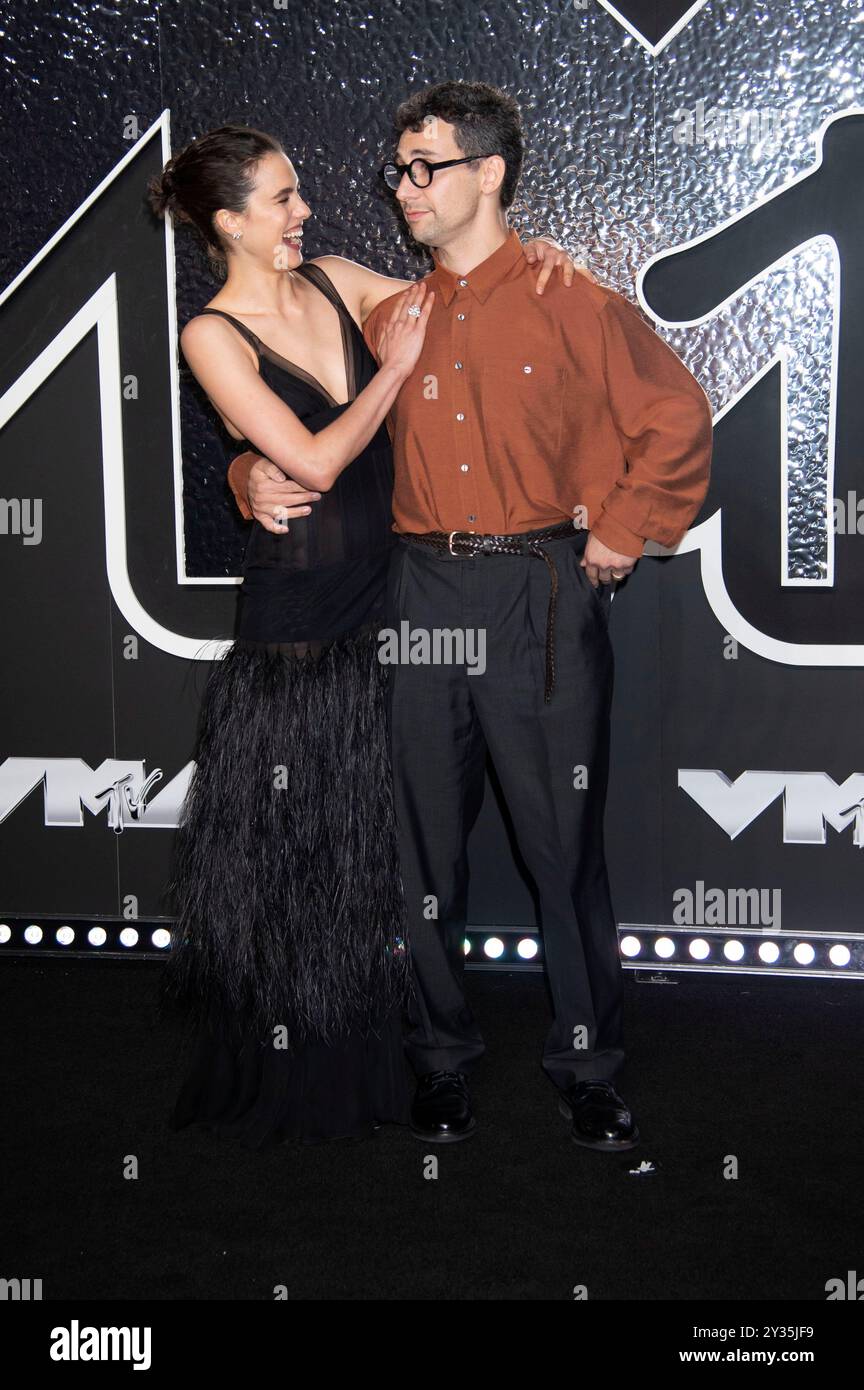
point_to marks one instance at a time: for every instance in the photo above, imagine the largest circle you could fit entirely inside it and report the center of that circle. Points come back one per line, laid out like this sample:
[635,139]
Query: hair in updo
[215,171]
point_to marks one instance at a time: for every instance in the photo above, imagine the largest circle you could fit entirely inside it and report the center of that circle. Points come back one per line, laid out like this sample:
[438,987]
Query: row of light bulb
[665,948]
[527,948]
[734,950]
[96,936]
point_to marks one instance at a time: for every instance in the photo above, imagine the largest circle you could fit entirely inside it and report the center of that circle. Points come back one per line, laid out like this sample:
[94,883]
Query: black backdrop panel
[609,171]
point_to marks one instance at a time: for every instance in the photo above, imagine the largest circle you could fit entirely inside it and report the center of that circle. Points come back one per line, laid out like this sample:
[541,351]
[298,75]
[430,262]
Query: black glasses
[420,171]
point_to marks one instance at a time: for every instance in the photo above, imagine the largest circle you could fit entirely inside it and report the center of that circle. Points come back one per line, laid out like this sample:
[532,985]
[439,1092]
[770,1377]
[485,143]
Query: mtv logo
[71,787]
[657,28]
[810,800]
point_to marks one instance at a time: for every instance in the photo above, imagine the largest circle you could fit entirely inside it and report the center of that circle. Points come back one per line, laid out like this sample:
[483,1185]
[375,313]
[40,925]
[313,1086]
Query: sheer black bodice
[337,556]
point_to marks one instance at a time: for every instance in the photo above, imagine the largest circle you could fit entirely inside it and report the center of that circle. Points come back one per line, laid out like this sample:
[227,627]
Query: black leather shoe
[600,1118]
[441,1113]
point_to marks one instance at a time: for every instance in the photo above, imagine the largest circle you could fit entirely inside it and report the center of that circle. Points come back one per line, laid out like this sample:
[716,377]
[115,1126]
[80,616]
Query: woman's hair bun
[162,192]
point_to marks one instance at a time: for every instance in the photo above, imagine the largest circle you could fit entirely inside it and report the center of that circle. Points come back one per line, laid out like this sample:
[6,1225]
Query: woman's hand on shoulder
[403,334]
[547,255]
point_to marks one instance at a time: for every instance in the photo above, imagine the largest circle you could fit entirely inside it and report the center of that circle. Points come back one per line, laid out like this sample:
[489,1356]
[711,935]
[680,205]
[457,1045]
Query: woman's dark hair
[215,171]
[485,120]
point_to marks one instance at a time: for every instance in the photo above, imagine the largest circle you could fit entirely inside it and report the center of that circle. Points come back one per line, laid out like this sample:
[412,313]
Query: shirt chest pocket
[522,401]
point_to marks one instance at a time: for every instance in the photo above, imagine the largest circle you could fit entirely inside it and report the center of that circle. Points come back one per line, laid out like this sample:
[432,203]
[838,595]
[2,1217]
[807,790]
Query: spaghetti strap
[321,279]
[247,333]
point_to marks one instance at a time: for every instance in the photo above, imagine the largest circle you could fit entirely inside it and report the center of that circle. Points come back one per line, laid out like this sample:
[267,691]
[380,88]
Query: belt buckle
[456,533]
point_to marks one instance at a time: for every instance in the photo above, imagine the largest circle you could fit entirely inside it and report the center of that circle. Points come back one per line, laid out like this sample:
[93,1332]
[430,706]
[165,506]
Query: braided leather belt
[522,543]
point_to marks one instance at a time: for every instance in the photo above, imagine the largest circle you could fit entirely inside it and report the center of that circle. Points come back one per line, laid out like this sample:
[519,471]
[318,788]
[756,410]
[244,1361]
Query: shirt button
[460,416]
[464,467]
[526,369]
[472,518]
[458,366]
[463,283]
[460,316]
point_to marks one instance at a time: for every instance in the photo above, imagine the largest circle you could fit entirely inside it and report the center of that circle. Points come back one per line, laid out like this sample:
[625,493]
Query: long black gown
[291,956]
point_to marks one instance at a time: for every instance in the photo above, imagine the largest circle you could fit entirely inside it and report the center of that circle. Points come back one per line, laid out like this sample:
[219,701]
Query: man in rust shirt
[539,442]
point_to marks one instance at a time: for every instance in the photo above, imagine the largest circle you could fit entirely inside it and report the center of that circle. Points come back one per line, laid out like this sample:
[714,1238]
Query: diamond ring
[414,310]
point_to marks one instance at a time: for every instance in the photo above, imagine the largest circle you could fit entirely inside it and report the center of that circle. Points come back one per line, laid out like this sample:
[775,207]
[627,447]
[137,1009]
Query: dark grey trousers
[442,722]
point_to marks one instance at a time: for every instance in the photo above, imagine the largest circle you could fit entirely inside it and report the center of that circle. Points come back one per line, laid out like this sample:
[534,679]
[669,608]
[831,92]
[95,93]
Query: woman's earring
[236,235]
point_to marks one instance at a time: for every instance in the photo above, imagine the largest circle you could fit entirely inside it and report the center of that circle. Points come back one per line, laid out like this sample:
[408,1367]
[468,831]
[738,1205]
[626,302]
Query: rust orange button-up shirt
[525,410]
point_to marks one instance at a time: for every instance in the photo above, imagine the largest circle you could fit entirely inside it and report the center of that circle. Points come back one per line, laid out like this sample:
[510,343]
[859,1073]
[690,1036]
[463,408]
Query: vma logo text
[71,786]
[811,800]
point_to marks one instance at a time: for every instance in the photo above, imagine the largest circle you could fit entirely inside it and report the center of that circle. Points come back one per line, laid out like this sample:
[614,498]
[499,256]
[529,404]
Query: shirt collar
[484,277]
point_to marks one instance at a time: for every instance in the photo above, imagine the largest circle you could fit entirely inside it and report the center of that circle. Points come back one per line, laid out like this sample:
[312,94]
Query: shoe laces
[434,1078]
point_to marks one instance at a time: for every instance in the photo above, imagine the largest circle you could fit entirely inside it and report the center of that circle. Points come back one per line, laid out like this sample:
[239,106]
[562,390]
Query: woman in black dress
[290,956]
[289,952]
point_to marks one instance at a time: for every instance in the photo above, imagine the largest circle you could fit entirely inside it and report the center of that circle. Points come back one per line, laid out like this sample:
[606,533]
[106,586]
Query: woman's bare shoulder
[210,334]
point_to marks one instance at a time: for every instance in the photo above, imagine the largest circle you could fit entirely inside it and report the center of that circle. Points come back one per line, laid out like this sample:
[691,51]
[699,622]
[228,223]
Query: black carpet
[763,1071]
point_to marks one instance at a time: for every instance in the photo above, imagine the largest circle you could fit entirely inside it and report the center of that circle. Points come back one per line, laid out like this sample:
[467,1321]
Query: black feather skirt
[291,960]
